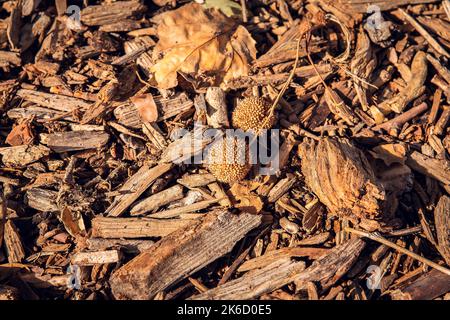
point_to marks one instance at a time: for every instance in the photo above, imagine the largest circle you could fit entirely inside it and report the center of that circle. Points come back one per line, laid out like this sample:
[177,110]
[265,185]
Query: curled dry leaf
[203,44]
[146,107]
[342,178]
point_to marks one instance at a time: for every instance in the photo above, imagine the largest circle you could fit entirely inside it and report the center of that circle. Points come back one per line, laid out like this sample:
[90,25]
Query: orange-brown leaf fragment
[202,43]
[21,134]
[247,200]
[342,178]
[146,107]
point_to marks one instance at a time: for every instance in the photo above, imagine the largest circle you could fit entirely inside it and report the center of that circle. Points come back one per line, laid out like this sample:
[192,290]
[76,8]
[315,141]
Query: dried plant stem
[388,243]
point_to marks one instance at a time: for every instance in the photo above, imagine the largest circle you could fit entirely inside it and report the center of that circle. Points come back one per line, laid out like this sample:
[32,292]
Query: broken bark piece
[95,257]
[180,254]
[13,243]
[135,186]
[326,271]
[42,199]
[442,222]
[75,140]
[342,178]
[158,200]
[217,113]
[99,15]
[361,6]
[20,156]
[131,228]
[279,254]
[285,48]
[9,293]
[255,283]
[193,207]
[426,287]
[281,188]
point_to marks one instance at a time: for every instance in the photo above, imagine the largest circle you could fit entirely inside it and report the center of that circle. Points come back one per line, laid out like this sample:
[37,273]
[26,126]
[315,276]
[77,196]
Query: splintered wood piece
[96,257]
[130,228]
[442,222]
[438,169]
[217,113]
[181,253]
[189,145]
[8,293]
[328,269]
[53,101]
[20,156]
[196,180]
[128,115]
[175,212]
[157,200]
[13,243]
[134,187]
[281,188]
[75,140]
[128,245]
[256,283]
[108,13]
[274,255]
[426,287]
[342,178]
[424,33]
[414,88]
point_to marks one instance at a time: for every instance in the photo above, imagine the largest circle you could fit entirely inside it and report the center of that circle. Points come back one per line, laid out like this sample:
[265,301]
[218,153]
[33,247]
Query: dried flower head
[228,159]
[253,113]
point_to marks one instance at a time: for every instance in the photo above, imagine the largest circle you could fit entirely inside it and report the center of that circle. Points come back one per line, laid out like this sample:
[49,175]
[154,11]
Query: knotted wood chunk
[342,178]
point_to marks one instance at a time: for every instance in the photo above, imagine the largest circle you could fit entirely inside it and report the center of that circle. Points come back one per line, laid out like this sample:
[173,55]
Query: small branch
[388,243]
[403,118]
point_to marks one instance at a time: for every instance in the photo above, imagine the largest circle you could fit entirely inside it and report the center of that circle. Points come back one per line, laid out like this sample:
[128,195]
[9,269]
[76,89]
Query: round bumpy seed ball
[253,113]
[228,159]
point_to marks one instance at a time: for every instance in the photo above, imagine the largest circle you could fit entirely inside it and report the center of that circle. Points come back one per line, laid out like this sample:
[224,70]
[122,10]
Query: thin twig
[388,243]
[244,11]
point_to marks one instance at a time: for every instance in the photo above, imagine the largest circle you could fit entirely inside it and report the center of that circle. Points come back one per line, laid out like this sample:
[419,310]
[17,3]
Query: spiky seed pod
[228,159]
[253,113]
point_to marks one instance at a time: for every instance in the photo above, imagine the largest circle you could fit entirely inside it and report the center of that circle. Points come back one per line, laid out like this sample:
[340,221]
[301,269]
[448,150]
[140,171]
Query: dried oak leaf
[342,178]
[202,44]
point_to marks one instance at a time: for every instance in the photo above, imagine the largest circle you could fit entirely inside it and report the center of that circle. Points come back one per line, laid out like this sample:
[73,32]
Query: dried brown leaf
[201,43]
[146,107]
